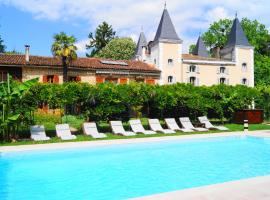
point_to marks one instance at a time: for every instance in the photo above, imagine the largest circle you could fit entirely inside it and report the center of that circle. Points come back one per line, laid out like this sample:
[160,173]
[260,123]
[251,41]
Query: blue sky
[34,22]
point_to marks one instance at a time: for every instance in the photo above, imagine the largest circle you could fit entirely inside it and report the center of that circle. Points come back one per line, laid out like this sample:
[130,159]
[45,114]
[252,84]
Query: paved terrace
[248,189]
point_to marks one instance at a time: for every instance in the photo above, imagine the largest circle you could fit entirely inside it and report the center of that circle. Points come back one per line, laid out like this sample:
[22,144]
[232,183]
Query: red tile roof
[88,63]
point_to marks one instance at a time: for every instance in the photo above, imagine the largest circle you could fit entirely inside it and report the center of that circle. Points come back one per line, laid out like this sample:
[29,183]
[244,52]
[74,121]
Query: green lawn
[49,122]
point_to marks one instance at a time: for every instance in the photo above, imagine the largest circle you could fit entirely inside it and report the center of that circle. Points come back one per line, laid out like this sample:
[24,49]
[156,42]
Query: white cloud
[81,45]
[189,17]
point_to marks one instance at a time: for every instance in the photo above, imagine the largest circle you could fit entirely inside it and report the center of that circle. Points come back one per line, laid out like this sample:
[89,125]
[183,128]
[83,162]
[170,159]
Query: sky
[34,22]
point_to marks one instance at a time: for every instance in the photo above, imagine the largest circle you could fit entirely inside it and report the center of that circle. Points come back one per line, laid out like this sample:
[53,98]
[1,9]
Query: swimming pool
[126,171]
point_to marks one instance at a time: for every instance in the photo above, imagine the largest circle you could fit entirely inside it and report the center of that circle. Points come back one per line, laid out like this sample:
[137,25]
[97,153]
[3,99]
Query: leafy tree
[216,36]
[13,52]
[2,46]
[118,49]
[103,35]
[64,47]
[262,69]
[257,34]
[191,48]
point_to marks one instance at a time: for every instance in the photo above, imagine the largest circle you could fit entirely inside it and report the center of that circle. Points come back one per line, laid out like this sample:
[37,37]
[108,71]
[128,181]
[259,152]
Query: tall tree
[118,49]
[257,34]
[98,40]
[64,47]
[191,48]
[2,46]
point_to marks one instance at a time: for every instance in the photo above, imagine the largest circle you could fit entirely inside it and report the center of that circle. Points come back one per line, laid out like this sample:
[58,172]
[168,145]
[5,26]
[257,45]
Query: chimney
[27,53]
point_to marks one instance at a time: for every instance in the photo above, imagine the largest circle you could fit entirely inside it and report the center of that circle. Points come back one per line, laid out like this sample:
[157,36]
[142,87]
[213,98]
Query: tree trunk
[65,69]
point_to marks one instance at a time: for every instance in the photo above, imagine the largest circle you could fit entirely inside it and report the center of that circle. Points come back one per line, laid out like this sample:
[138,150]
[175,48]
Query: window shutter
[45,79]
[188,69]
[150,81]
[227,81]
[78,79]
[227,71]
[197,82]
[99,80]
[218,81]
[123,80]
[197,69]
[55,79]
[218,70]
[188,80]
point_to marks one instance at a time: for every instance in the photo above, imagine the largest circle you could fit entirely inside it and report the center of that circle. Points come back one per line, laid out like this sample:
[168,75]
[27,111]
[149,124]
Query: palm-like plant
[64,47]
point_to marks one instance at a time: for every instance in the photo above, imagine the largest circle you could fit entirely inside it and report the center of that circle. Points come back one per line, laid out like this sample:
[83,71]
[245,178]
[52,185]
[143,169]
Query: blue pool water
[125,171]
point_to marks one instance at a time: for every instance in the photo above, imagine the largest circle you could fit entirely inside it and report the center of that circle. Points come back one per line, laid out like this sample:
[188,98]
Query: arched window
[244,81]
[170,79]
[244,67]
[222,70]
[192,68]
[192,80]
[222,80]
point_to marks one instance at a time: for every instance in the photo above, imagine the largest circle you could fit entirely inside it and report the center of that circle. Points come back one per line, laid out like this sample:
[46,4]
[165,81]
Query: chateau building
[160,61]
[234,65]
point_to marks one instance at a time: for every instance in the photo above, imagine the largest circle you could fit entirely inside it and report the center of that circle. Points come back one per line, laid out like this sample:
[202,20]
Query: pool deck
[248,189]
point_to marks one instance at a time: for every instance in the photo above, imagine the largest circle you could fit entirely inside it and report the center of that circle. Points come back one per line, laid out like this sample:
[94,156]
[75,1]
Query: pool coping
[100,143]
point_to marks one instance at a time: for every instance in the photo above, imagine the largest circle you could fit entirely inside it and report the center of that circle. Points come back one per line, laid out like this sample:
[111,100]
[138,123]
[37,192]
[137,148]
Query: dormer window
[244,67]
[170,62]
[192,68]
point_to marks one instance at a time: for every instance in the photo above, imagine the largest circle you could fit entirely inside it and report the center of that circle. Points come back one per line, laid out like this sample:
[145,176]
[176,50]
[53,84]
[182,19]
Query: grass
[49,121]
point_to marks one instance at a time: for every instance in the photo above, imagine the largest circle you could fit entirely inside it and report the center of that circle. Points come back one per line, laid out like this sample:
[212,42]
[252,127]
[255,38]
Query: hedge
[109,101]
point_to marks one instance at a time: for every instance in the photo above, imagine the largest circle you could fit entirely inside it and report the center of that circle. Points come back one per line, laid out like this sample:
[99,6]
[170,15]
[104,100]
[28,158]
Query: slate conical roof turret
[142,42]
[237,36]
[200,49]
[166,30]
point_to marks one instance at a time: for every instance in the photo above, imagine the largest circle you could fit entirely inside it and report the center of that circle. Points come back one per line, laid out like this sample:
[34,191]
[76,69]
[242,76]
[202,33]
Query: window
[111,80]
[222,70]
[74,79]
[244,81]
[170,79]
[192,80]
[50,79]
[170,62]
[3,76]
[155,61]
[192,68]
[244,67]
[222,80]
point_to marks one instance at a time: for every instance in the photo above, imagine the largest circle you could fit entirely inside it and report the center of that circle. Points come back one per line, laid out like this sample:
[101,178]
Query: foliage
[104,33]
[2,46]
[109,101]
[14,109]
[216,36]
[13,52]
[118,49]
[262,69]
[191,48]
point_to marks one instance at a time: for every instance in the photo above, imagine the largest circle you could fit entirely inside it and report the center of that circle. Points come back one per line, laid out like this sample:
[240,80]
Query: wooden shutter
[123,80]
[150,81]
[99,80]
[55,79]
[78,79]
[45,79]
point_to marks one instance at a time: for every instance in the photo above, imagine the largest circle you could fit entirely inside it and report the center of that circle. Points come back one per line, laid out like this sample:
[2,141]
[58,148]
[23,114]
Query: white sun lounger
[185,121]
[137,127]
[91,130]
[117,128]
[63,131]
[156,126]
[38,133]
[171,123]
[204,120]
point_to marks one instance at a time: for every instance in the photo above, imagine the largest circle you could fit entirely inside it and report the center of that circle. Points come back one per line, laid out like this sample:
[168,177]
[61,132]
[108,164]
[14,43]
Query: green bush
[109,101]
